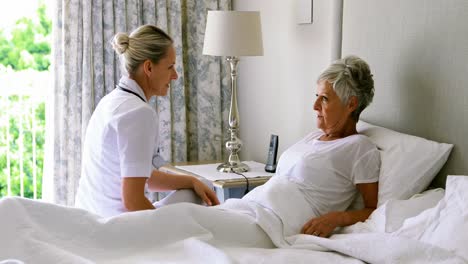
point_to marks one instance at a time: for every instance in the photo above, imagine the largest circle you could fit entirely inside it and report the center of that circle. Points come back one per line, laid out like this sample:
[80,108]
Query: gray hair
[145,42]
[351,76]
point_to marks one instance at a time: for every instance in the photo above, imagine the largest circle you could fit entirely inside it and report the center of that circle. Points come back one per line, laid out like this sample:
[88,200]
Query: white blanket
[38,232]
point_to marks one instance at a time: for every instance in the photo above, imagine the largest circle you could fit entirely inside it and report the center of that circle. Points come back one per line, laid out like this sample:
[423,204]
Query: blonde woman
[123,131]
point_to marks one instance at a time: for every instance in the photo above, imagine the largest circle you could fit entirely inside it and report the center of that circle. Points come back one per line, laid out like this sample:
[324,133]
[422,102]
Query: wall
[276,91]
[419,58]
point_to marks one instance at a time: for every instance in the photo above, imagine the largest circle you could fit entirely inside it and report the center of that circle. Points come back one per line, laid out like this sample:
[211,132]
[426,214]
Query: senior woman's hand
[322,226]
[206,194]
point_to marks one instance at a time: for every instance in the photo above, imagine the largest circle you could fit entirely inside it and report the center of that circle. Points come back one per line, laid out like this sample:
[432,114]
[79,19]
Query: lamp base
[233,168]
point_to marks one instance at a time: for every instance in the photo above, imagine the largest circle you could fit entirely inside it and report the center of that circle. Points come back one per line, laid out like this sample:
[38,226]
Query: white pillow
[450,230]
[390,216]
[409,163]
[446,224]
[397,211]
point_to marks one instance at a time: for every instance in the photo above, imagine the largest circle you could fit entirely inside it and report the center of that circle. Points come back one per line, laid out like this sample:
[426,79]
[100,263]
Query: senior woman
[123,131]
[324,172]
[336,163]
[318,177]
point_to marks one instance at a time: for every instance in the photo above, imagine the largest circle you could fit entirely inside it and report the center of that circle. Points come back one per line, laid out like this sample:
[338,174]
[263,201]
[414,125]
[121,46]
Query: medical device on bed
[272,154]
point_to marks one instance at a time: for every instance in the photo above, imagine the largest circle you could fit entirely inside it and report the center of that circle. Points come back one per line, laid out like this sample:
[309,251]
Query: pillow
[409,163]
[397,211]
[391,216]
[445,225]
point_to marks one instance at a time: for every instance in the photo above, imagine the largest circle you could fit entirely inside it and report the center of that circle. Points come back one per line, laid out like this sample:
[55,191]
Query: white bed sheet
[37,232]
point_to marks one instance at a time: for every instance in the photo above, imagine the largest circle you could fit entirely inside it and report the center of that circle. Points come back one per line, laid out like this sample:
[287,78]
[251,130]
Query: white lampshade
[233,33]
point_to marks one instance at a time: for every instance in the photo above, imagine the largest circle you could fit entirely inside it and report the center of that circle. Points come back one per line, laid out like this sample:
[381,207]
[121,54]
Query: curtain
[193,115]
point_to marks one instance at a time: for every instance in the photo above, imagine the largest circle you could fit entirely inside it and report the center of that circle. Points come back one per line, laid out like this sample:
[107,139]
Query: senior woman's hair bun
[358,69]
[120,42]
[361,75]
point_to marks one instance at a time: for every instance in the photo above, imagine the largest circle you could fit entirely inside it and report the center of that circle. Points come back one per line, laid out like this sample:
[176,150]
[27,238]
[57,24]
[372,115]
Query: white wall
[276,91]
[418,56]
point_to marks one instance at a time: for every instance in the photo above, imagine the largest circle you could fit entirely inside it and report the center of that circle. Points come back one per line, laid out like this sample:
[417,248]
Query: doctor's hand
[322,226]
[206,193]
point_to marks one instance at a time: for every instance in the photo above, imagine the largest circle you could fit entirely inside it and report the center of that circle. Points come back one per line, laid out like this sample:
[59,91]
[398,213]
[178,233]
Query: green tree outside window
[25,47]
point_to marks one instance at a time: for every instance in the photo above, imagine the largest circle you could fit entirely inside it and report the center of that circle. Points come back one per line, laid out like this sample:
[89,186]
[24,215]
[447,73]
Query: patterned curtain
[193,116]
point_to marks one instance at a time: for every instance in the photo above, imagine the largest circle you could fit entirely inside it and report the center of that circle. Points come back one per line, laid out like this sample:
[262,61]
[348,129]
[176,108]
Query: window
[25,48]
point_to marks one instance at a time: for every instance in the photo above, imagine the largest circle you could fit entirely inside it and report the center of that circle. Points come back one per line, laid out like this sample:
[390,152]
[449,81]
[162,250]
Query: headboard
[418,52]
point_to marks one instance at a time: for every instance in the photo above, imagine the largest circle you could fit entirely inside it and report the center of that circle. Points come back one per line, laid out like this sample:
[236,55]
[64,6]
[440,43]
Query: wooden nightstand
[224,188]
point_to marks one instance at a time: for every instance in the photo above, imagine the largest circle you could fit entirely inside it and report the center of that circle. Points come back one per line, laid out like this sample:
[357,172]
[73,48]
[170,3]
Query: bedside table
[226,185]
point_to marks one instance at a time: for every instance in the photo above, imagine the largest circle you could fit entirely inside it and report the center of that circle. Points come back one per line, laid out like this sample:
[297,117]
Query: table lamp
[233,34]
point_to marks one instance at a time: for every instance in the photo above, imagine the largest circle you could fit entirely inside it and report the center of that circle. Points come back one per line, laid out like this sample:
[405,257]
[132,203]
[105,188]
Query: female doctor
[123,131]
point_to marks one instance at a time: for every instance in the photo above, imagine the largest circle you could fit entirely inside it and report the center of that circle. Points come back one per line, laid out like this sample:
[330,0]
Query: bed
[406,228]
[45,233]
[416,221]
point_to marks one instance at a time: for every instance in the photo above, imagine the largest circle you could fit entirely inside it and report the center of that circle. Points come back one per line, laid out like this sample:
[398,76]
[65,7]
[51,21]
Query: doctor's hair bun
[120,42]
[147,42]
